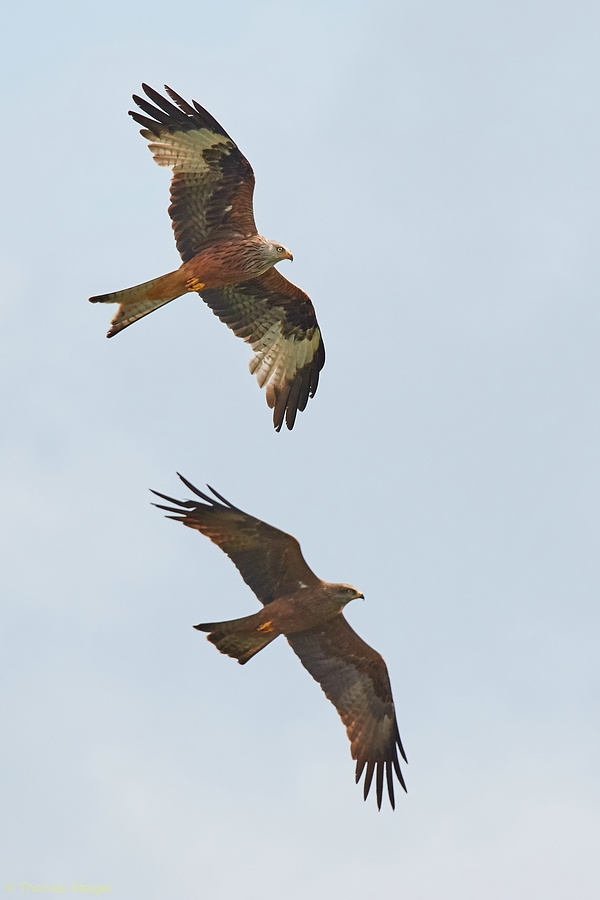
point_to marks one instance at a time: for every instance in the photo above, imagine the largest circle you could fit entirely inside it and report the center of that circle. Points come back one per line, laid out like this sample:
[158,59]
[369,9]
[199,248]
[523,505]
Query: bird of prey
[309,612]
[225,259]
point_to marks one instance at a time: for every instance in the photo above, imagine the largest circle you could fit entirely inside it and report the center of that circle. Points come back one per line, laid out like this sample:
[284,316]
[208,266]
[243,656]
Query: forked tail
[136,302]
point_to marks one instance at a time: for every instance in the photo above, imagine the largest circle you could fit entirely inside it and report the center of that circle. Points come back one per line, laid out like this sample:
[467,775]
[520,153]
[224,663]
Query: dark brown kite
[225,259]
[308,612]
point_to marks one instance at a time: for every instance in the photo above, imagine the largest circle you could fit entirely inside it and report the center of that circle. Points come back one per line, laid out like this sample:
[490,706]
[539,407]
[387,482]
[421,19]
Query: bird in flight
[225,259]
[309,612]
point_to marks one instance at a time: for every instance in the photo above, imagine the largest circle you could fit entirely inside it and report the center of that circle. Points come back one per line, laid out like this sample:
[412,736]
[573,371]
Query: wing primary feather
[200,115]
[210,120]
[360,765]
[190,504]
[304,391]
[314,382]
[207,498]
[317,365]
[398,771]
[390,782]
[187,503]
[292,401]
[161,116]
[380,768]
[165,105]
[199,493]
[150,124]
[163,497]
[368,778]
[171,509]
[195,490]
[181,103]
[290,416]
[280,405]
[399,742]
[223,499]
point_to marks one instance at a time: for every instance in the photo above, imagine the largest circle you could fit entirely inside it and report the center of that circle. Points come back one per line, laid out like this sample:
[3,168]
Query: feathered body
[308,608]
[309,613]
[225,259]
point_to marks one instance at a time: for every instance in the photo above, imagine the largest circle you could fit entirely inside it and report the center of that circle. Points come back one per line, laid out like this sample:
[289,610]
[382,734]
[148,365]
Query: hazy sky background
[434,167]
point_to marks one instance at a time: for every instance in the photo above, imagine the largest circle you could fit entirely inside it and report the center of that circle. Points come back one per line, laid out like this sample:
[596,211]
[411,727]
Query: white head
[276,252]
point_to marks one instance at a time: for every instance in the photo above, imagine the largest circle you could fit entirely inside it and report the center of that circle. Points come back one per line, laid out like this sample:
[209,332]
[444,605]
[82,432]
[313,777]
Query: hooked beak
[290,257]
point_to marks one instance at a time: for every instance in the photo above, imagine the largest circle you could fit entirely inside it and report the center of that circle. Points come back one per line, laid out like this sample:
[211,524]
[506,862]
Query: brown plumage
[308,611]
[224,258]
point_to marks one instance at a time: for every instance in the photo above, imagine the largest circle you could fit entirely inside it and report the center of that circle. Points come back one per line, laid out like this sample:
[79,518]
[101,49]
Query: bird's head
[277,252]
[346,593]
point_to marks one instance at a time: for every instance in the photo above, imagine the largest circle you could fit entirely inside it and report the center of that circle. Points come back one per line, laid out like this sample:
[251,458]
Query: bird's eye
[280,250]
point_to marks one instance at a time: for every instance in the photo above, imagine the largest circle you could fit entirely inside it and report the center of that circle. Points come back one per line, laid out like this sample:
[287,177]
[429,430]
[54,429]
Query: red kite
[225,259]
[308,612]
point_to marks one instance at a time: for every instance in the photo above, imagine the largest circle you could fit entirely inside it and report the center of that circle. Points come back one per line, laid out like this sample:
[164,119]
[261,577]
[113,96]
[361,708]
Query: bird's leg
[194,284]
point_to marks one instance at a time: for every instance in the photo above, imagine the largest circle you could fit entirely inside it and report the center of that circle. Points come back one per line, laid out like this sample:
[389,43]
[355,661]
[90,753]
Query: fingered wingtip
[381,772]
[221,497]
[194,489]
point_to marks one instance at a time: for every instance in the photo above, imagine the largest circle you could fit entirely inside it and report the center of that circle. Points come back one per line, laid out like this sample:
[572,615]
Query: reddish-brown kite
[225,259]
[308,612]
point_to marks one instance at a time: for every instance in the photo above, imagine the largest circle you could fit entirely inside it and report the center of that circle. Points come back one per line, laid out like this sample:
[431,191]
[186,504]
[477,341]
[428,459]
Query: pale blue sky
[434,168]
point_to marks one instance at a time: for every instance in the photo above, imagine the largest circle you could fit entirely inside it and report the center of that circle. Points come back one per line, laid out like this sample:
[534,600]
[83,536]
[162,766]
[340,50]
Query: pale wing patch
[277,358]
[183,151]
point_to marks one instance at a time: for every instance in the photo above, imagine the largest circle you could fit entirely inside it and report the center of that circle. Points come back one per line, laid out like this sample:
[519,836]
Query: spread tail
[136,302]
[240,638]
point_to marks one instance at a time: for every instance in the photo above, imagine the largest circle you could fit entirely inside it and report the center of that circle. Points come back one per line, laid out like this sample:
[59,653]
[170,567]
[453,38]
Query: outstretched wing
[278,320]
[270,561]
[355,678]
[212,184]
